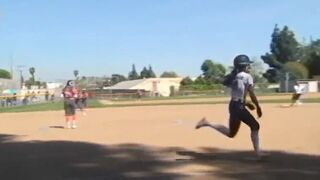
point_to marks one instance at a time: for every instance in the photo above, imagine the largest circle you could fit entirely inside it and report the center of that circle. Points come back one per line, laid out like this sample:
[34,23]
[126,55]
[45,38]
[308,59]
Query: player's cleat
[201,123]
[68,126]
[261,156]
[74,126]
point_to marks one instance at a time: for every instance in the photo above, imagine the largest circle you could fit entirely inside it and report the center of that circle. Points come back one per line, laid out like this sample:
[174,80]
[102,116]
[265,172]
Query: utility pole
[287,82]
[11,66]
[20,69]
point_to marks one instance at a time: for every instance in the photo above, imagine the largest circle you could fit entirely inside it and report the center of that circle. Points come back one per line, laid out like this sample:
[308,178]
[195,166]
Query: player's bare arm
[255,100]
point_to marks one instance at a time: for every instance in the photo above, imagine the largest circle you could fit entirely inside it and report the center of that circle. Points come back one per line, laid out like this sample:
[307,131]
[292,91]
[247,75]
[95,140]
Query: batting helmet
[241,60]
[70,83]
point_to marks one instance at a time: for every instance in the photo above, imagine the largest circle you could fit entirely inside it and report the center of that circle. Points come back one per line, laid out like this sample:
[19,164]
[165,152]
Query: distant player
[77,99]
[83,98]
[70,94]
[299,89]
[241,84]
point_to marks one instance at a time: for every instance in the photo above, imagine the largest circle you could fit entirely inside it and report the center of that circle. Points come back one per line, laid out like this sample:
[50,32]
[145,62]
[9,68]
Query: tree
[296,70]
[116,78]
[311,58]
[43,84]
[144,73]
[186,81]
[284,48]
[284,45]
[107,81]
[212,71]
[273,75]
[5,74]
[37,83]
[32,71]
[206,66]
[83,78]
[28,83]
[151,74]
[83,82]
[133,73]
[200,81]
[169,74]
[313,64]
[76,73]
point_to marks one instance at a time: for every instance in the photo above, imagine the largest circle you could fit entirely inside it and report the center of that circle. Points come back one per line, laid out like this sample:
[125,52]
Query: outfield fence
[10,100]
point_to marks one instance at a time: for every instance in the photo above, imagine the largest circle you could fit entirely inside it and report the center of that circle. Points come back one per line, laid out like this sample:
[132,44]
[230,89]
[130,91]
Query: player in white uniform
[299,89]
[241,84]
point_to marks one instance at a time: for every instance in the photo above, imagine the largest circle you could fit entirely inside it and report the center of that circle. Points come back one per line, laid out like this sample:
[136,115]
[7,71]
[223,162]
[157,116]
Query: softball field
[158,142]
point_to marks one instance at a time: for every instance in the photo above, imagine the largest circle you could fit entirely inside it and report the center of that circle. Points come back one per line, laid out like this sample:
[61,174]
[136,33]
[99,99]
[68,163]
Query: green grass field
[146,103]
[93,103]
[194,96]
[56,106]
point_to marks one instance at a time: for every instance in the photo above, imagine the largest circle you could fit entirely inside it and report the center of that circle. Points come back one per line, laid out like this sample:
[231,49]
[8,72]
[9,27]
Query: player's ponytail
[229,78]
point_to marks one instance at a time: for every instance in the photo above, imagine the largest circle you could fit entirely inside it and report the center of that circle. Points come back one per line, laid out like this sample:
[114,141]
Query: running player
[241,83]
[83,101]
[298,90]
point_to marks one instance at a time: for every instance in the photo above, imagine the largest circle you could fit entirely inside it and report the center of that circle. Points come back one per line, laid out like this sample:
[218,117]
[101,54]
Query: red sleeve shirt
[69,92]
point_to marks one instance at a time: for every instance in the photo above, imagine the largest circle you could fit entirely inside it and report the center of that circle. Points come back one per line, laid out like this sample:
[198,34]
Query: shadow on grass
[55,160]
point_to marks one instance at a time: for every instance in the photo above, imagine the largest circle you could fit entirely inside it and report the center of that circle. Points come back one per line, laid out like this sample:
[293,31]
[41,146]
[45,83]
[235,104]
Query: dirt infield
[158,142]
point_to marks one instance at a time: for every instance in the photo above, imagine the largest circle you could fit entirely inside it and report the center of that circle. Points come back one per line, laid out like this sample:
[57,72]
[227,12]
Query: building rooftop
[126,84]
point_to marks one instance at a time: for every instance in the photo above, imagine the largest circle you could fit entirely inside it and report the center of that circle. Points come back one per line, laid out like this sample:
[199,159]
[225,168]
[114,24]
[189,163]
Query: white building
[311,85]
[54,85]
[156,86]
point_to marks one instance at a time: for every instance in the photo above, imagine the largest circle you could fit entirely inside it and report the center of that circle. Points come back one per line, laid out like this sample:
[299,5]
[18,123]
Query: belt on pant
[237,100]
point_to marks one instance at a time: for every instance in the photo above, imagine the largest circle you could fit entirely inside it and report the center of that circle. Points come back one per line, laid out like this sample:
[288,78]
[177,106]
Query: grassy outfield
[146,103]
[97,104]
[195,96]
[47,106]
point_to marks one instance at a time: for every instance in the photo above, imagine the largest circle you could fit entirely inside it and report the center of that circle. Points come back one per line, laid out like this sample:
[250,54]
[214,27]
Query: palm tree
[76,73]
[32,70]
